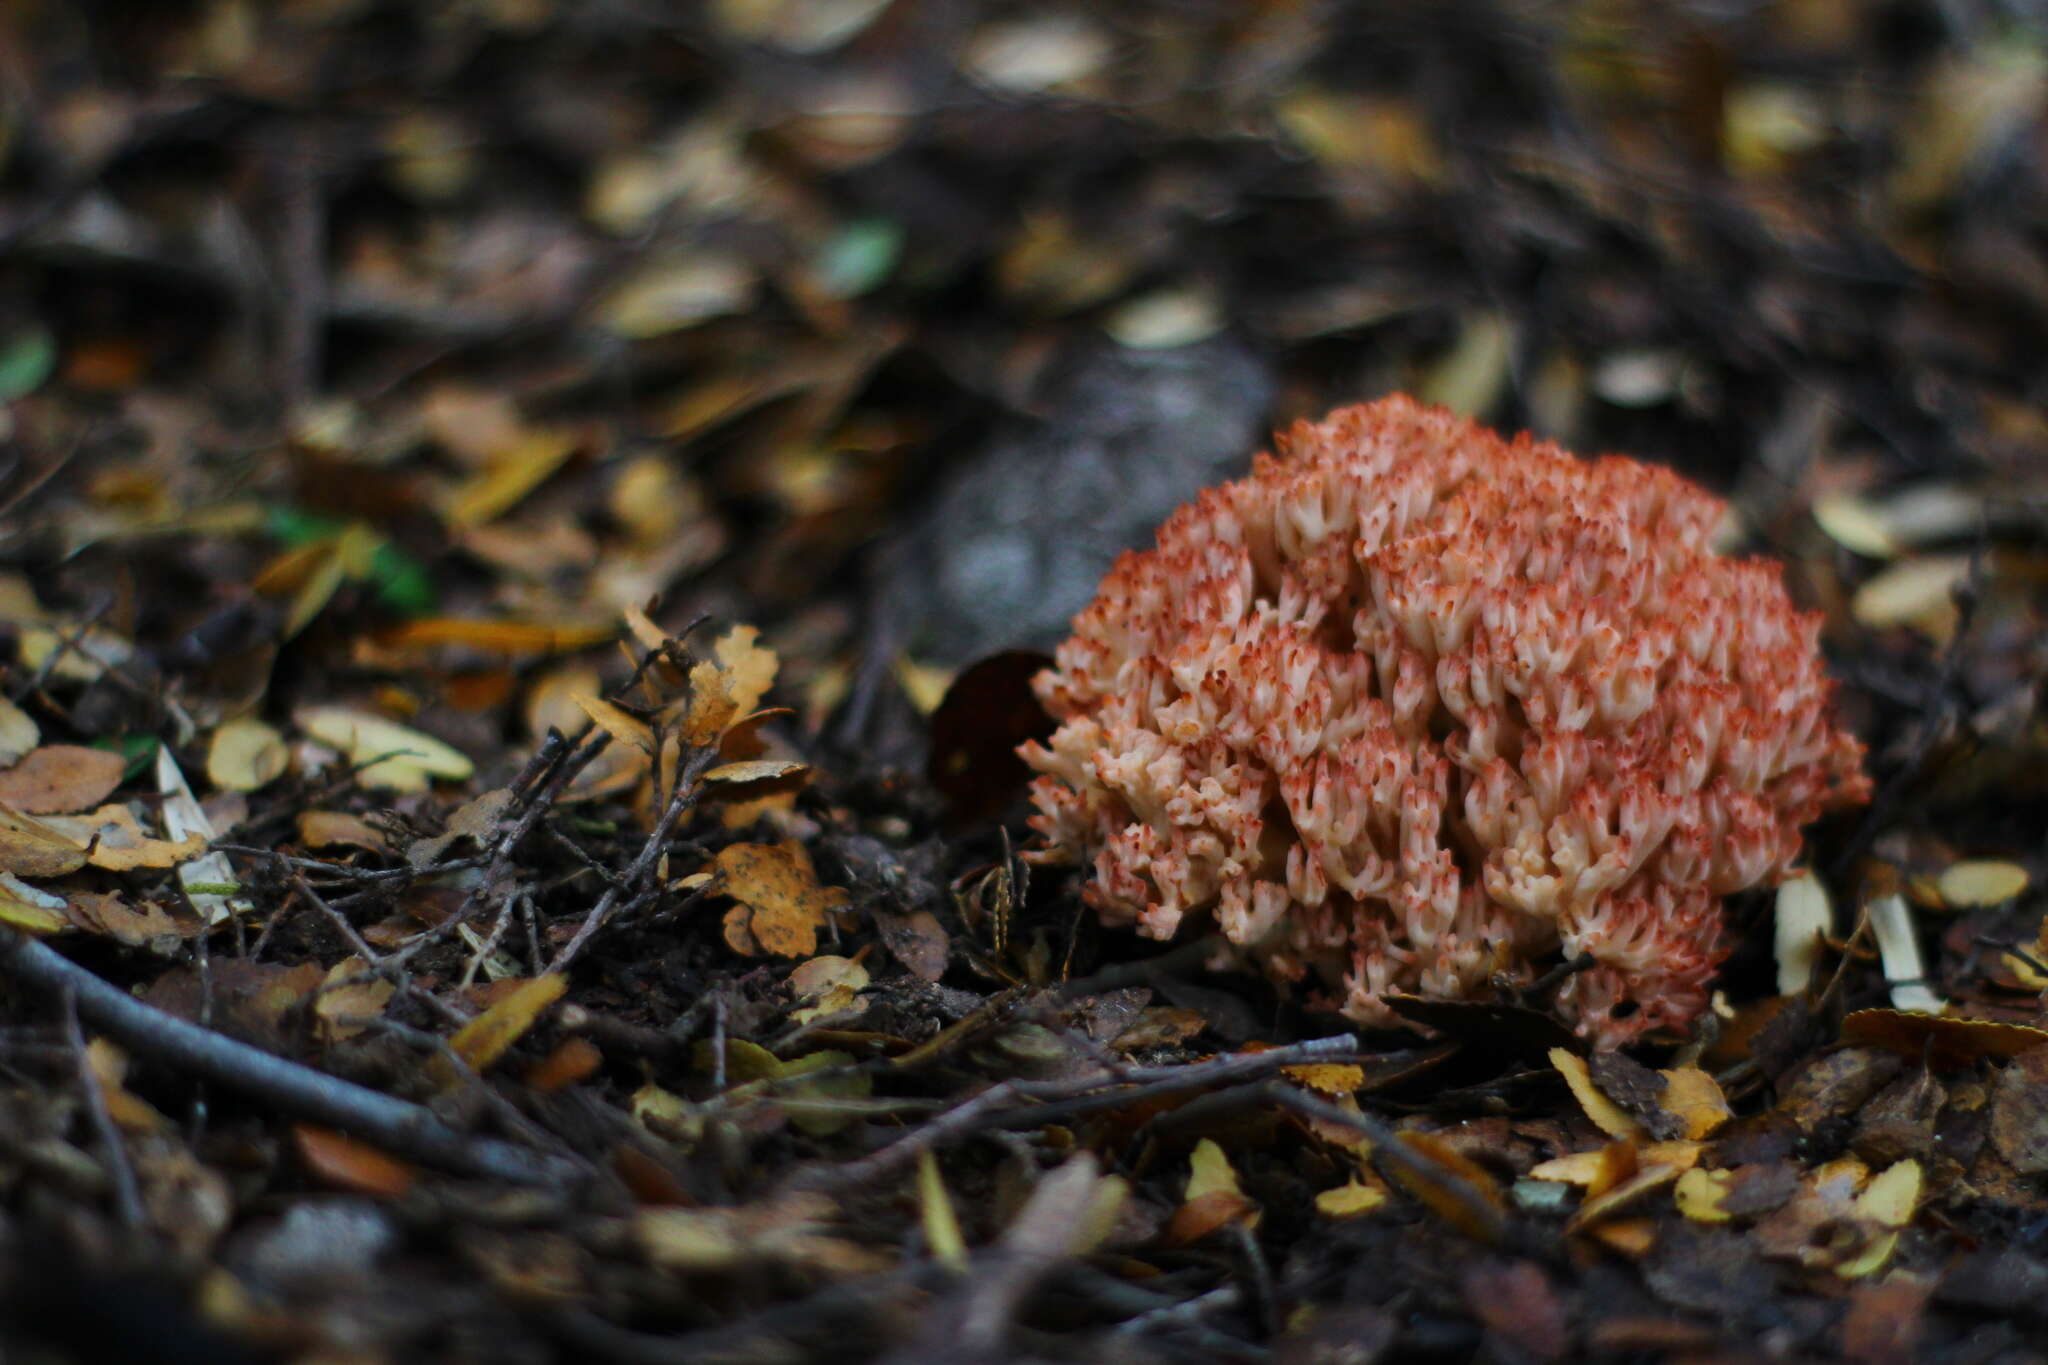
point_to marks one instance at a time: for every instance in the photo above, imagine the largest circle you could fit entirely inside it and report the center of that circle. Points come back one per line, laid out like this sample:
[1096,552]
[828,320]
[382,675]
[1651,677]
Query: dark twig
[405,1129]
[693,768]
[1011,1104]
[127,1196]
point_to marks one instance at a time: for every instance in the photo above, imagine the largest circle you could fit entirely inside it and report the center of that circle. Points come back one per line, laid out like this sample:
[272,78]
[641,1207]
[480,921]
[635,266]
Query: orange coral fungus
[1420,709]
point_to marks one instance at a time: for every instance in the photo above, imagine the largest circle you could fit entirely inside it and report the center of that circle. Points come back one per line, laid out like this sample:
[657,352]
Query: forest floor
[473,890]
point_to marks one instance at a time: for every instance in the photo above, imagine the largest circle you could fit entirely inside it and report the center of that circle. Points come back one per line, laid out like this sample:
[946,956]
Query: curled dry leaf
[32,848]
[1609,1117]
[477,820]
[119,844]
[385,753]
[246,755]
[621,724]
[61,777]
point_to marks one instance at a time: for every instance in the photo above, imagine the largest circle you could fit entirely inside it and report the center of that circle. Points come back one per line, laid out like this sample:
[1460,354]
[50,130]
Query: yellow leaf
[1609,1117]
[396,756]
[1967,885]
[619,723]
[484,1039]
[33,848]
[512,474]
[777,883]
[1700,1192]
[1696,1098]
[755,770]
[121,844]
[749,667]
[30,916]
[941,1225]
[19,732]
[246,755]
[1351,1200]
[1889,1200]
[350,994]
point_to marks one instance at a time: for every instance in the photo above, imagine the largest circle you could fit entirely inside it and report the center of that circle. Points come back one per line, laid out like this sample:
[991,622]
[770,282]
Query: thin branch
[407,1130]
[127,1195]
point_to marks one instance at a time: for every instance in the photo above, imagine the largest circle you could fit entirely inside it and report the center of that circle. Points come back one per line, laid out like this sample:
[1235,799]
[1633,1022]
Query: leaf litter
[443,654]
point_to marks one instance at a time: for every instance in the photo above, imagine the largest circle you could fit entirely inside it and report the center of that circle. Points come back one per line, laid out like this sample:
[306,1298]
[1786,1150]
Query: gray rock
[1017,538]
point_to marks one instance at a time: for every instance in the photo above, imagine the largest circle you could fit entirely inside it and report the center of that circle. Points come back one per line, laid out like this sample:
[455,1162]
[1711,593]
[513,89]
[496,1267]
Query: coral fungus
[1419,709]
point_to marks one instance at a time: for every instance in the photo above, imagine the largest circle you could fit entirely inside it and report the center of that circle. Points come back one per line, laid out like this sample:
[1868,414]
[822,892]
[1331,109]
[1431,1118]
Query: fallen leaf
[620,724]
[1699,1194]
[246,755]
[61,777]
[1889,1201]
[485,1038]
[1353,1199]
[935,1210]
[777,884]
[184,818]
[342,1162]
[19,732]
[1946,1044]
[119,843]
[513,472]
[1214,1199]
[573,1060]
[32,848]
[1609,1117]
[31,909]
[349,996]
[749,667]
[385,753]
[830,983]
[326,828]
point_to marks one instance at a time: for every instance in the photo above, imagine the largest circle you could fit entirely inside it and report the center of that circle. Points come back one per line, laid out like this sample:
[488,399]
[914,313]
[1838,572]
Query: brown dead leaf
[778,885]
[349,996]
[2019,1113]
[61,777]
[326,828]
[1947,1044]
[118,842]
[31,848]
[138,924]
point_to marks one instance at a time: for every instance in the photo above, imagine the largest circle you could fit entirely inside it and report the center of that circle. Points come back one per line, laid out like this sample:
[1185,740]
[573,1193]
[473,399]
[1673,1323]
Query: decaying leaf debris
[495,865]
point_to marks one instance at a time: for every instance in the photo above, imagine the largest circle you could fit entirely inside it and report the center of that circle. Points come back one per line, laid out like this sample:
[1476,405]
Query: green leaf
[26,359]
